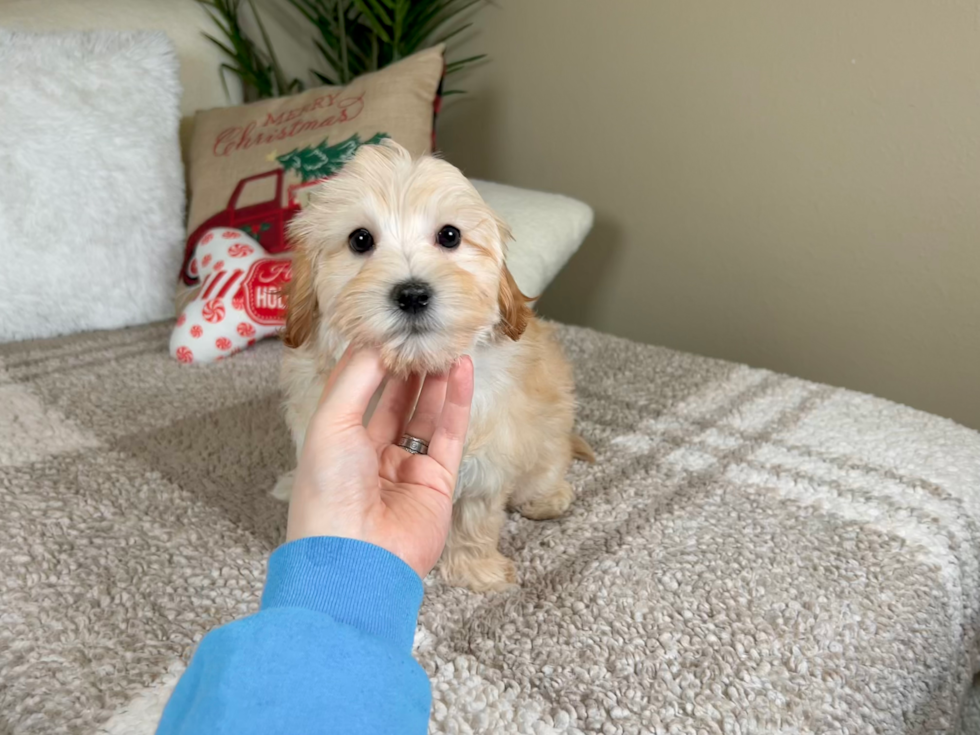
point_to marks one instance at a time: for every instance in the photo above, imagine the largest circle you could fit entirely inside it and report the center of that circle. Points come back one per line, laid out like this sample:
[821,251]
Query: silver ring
[413,445]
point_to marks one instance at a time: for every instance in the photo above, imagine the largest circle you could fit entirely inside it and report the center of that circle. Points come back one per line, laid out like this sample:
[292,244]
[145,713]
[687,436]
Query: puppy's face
[403,255]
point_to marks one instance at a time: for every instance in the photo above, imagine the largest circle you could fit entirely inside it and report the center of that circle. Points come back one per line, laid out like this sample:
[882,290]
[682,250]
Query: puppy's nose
[412,297]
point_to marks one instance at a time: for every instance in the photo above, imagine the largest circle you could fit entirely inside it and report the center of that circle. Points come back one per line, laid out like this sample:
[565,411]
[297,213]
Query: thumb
[354,385]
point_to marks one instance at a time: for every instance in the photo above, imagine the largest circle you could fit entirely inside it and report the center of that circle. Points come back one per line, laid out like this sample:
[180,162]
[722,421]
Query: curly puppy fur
[520,440]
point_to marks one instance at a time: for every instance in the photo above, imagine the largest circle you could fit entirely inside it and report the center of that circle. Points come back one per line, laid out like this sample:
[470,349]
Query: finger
[391,415]
[427,411]
[355,385]
[449,437]
[337,370]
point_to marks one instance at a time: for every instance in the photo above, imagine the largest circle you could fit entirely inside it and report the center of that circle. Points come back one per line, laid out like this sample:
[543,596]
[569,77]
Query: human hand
[355,482]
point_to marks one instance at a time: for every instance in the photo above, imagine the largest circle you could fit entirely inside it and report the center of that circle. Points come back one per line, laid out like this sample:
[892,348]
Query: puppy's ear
[302,308]
[514,311]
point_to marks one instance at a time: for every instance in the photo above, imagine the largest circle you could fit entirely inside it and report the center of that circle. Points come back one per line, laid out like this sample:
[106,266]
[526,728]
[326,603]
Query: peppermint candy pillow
[239,301]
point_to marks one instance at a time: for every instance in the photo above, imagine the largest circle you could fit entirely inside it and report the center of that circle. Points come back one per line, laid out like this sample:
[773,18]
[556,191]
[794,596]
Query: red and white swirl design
[239,299]
[240,250]
[213,311]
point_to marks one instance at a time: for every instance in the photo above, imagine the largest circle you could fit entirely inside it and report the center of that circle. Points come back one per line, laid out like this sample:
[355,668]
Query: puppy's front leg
[471,558]
[303,385]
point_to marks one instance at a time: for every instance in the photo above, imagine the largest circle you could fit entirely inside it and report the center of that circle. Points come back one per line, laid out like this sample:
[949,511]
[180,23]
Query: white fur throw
[91,187]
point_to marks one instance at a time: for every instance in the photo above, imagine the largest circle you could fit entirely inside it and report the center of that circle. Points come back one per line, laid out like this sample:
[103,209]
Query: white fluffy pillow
[548,229]
[91,187]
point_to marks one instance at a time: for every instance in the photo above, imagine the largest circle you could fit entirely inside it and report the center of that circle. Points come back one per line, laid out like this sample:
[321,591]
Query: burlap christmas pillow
[251,168]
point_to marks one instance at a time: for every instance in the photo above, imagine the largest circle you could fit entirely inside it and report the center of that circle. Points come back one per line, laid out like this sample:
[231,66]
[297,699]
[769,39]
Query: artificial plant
[352,36]
[258,68]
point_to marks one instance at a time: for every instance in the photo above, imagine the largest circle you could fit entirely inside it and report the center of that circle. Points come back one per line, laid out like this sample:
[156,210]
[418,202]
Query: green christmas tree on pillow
[323,160]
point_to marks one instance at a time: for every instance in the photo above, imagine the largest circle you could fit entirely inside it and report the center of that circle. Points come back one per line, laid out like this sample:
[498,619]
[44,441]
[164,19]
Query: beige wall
[784,183]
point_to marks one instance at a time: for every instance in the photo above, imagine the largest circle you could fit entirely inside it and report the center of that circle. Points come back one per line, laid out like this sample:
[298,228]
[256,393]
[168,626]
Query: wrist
[311,516]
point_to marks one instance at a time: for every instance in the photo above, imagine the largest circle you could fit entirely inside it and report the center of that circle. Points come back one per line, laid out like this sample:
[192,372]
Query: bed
[751,553]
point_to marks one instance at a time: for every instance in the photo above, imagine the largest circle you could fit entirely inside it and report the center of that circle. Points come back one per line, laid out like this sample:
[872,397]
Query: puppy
[404,255]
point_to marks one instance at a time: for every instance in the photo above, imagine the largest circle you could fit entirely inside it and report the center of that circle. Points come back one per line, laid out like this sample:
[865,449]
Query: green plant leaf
[220,45]
[216,19]
[436,21]
[324,79]
[457,65]
[361,56]
[424,19]
[443,39]
[372,20]
[388,20]
[423,7]
[401,10]
[274,68]
[329,55]
[342,23]
[224,82]
[302,8]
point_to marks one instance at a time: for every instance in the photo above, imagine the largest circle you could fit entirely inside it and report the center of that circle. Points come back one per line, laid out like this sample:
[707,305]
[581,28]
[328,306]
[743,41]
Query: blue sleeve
[330,651]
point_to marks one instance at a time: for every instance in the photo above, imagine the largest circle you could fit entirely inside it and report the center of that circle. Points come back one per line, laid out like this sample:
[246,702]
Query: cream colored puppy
[404,255]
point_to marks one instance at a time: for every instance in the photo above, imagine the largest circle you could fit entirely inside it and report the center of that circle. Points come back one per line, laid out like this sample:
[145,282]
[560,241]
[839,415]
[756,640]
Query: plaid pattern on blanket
[751,554]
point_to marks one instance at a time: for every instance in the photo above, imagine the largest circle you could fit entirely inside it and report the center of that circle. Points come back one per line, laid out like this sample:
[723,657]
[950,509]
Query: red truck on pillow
[265,222]
[263,217]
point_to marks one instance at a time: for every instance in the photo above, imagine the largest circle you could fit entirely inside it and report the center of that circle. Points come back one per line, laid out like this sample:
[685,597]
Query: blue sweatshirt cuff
[354,582]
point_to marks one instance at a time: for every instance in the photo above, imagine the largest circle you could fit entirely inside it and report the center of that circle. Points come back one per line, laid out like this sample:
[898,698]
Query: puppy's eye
[360,240]
[449,237]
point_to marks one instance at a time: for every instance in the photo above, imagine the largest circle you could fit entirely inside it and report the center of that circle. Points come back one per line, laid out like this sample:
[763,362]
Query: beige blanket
[751,554]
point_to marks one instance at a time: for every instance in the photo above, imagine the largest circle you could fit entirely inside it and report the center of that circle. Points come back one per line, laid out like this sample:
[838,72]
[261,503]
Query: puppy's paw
[550,505]
[494,573]
[284,487]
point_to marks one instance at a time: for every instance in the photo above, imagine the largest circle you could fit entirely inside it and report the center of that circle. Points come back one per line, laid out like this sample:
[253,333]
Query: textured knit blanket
[751,554]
